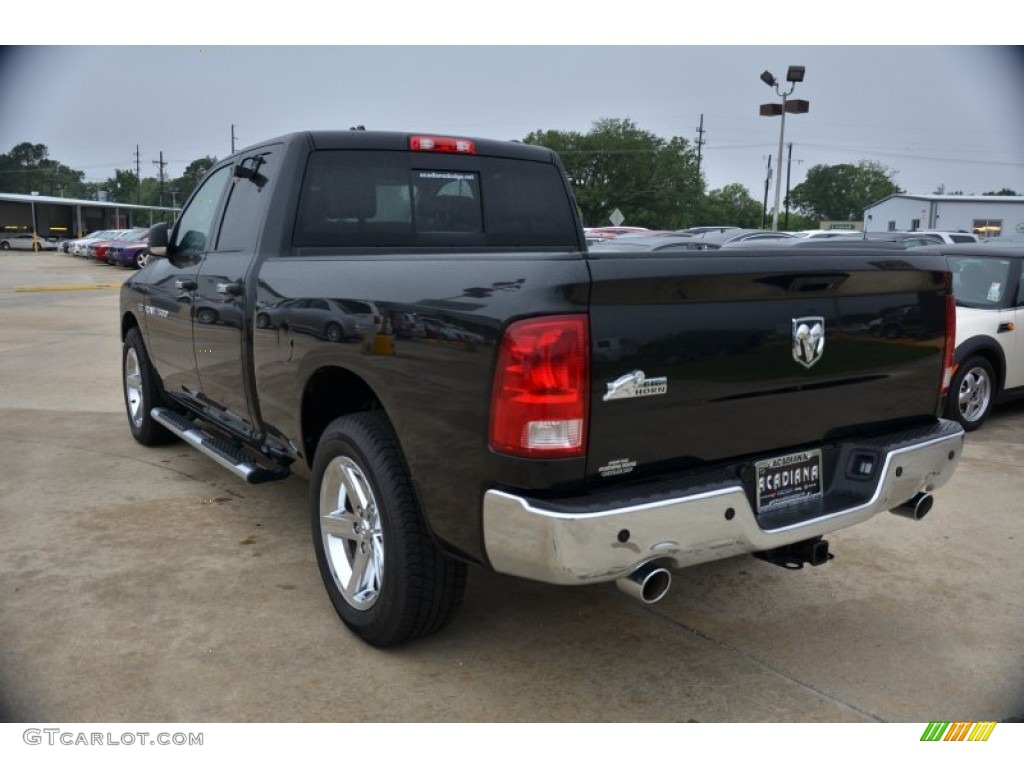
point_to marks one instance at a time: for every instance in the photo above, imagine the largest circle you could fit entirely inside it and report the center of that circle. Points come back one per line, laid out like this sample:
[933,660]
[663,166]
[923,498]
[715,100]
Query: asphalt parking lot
[150,585]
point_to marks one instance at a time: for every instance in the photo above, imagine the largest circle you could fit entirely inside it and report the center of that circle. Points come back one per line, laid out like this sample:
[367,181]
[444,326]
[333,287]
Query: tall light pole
[794,75]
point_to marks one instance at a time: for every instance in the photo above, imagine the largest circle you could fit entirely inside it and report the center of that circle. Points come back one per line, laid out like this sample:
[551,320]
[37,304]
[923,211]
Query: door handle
[229,289]
[1004,327]
[185,285]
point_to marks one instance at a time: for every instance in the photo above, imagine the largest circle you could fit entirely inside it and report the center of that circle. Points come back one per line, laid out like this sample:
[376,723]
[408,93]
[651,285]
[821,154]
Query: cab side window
[247,196]
[193,230]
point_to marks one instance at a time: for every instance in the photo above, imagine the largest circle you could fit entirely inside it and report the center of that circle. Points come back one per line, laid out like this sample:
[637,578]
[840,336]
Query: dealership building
[62,217]
[984,215]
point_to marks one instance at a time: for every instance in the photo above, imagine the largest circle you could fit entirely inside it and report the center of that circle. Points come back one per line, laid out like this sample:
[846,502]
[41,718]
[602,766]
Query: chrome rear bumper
[529,538]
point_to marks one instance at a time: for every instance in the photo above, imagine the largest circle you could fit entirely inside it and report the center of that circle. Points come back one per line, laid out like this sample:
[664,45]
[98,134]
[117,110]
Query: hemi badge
[636,384]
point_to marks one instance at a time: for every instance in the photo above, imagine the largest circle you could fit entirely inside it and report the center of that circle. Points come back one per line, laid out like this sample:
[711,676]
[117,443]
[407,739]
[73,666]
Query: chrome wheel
[142,392]
[972,393]
[133,387]
[350,527]
[361,499]
[975,394]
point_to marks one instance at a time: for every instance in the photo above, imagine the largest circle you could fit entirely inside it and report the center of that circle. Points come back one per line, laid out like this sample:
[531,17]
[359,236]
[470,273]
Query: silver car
[26,242]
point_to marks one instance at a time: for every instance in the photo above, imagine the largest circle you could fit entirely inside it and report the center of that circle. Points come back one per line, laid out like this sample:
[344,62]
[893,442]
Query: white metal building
[984,215]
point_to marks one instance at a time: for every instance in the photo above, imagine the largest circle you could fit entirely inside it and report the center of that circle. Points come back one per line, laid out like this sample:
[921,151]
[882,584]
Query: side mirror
[158,240]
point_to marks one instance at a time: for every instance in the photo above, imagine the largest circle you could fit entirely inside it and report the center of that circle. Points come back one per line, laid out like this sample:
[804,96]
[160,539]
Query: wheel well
[992,356]
[128,322]
[331,393]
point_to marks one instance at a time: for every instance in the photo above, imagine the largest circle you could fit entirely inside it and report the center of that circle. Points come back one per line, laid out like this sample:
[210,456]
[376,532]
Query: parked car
[133,253]
[950,238]
[98,250]
[408,325]
[617,230]
[907,239]
[733,236]
[817,234]
[989,287]
[80,247]
[26,241]
[653,243]
[705,229]
[324,319]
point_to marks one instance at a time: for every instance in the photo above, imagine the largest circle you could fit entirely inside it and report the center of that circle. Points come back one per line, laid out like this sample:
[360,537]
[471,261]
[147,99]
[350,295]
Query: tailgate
[703,357]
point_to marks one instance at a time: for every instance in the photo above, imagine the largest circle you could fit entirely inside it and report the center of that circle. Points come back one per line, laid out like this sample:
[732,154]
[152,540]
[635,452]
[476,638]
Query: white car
[950,238]
[989,288]
[80,247]
[26,242]
[817,234]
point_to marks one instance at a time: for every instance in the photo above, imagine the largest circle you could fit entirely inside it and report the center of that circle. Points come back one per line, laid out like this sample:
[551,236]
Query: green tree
[732,204]
[653,182]
[842,192]
[189,180]
[122,187]
[28,168]
[1004,192]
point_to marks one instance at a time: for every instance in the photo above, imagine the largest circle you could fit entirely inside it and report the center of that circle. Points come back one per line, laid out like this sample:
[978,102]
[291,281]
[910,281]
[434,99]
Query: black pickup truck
[414,323]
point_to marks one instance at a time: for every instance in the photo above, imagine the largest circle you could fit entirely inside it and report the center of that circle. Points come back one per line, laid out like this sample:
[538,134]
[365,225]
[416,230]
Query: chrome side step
[225,453]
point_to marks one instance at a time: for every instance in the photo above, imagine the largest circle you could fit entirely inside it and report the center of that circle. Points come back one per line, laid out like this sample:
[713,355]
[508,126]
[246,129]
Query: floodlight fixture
[795,74]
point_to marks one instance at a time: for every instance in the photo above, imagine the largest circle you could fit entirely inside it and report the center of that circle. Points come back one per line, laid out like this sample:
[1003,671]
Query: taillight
[948,365]
[541,385]
[442,144]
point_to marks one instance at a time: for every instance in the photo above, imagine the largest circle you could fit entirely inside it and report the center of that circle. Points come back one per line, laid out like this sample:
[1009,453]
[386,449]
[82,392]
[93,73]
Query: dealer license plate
[788,479]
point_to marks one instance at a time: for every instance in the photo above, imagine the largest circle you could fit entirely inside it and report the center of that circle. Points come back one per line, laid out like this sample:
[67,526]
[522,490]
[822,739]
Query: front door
[224,314]
[173,281]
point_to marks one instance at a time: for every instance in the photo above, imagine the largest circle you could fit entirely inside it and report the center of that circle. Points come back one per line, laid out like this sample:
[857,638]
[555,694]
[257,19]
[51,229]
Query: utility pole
[789,168]
[700,142]
[767,183]
[161,163]
[232,138]
[138,175]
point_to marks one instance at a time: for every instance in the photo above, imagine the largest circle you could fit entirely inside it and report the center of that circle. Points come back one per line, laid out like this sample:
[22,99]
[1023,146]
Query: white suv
[989,287]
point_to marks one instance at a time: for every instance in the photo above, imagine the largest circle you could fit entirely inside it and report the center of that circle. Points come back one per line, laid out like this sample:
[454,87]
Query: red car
[98,250]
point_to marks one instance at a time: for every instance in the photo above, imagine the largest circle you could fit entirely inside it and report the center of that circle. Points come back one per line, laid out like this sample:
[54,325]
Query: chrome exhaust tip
[648,583]
[916,508]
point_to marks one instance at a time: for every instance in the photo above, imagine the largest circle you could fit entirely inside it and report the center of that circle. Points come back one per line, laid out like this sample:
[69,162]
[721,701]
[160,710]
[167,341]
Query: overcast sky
[937,115]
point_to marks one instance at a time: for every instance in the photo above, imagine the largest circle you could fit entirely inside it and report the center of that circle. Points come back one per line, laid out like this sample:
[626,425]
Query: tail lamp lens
[948,363]
[541,388]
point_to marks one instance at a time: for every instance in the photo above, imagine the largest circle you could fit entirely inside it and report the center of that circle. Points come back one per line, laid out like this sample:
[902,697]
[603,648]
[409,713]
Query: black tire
[141,259]
[142,392]
[4,246]
[385,575]
[971,393]
[334,333]
[206,316]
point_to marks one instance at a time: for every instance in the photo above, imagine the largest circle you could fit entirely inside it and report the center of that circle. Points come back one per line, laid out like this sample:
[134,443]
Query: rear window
[396,199]
[980,283]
